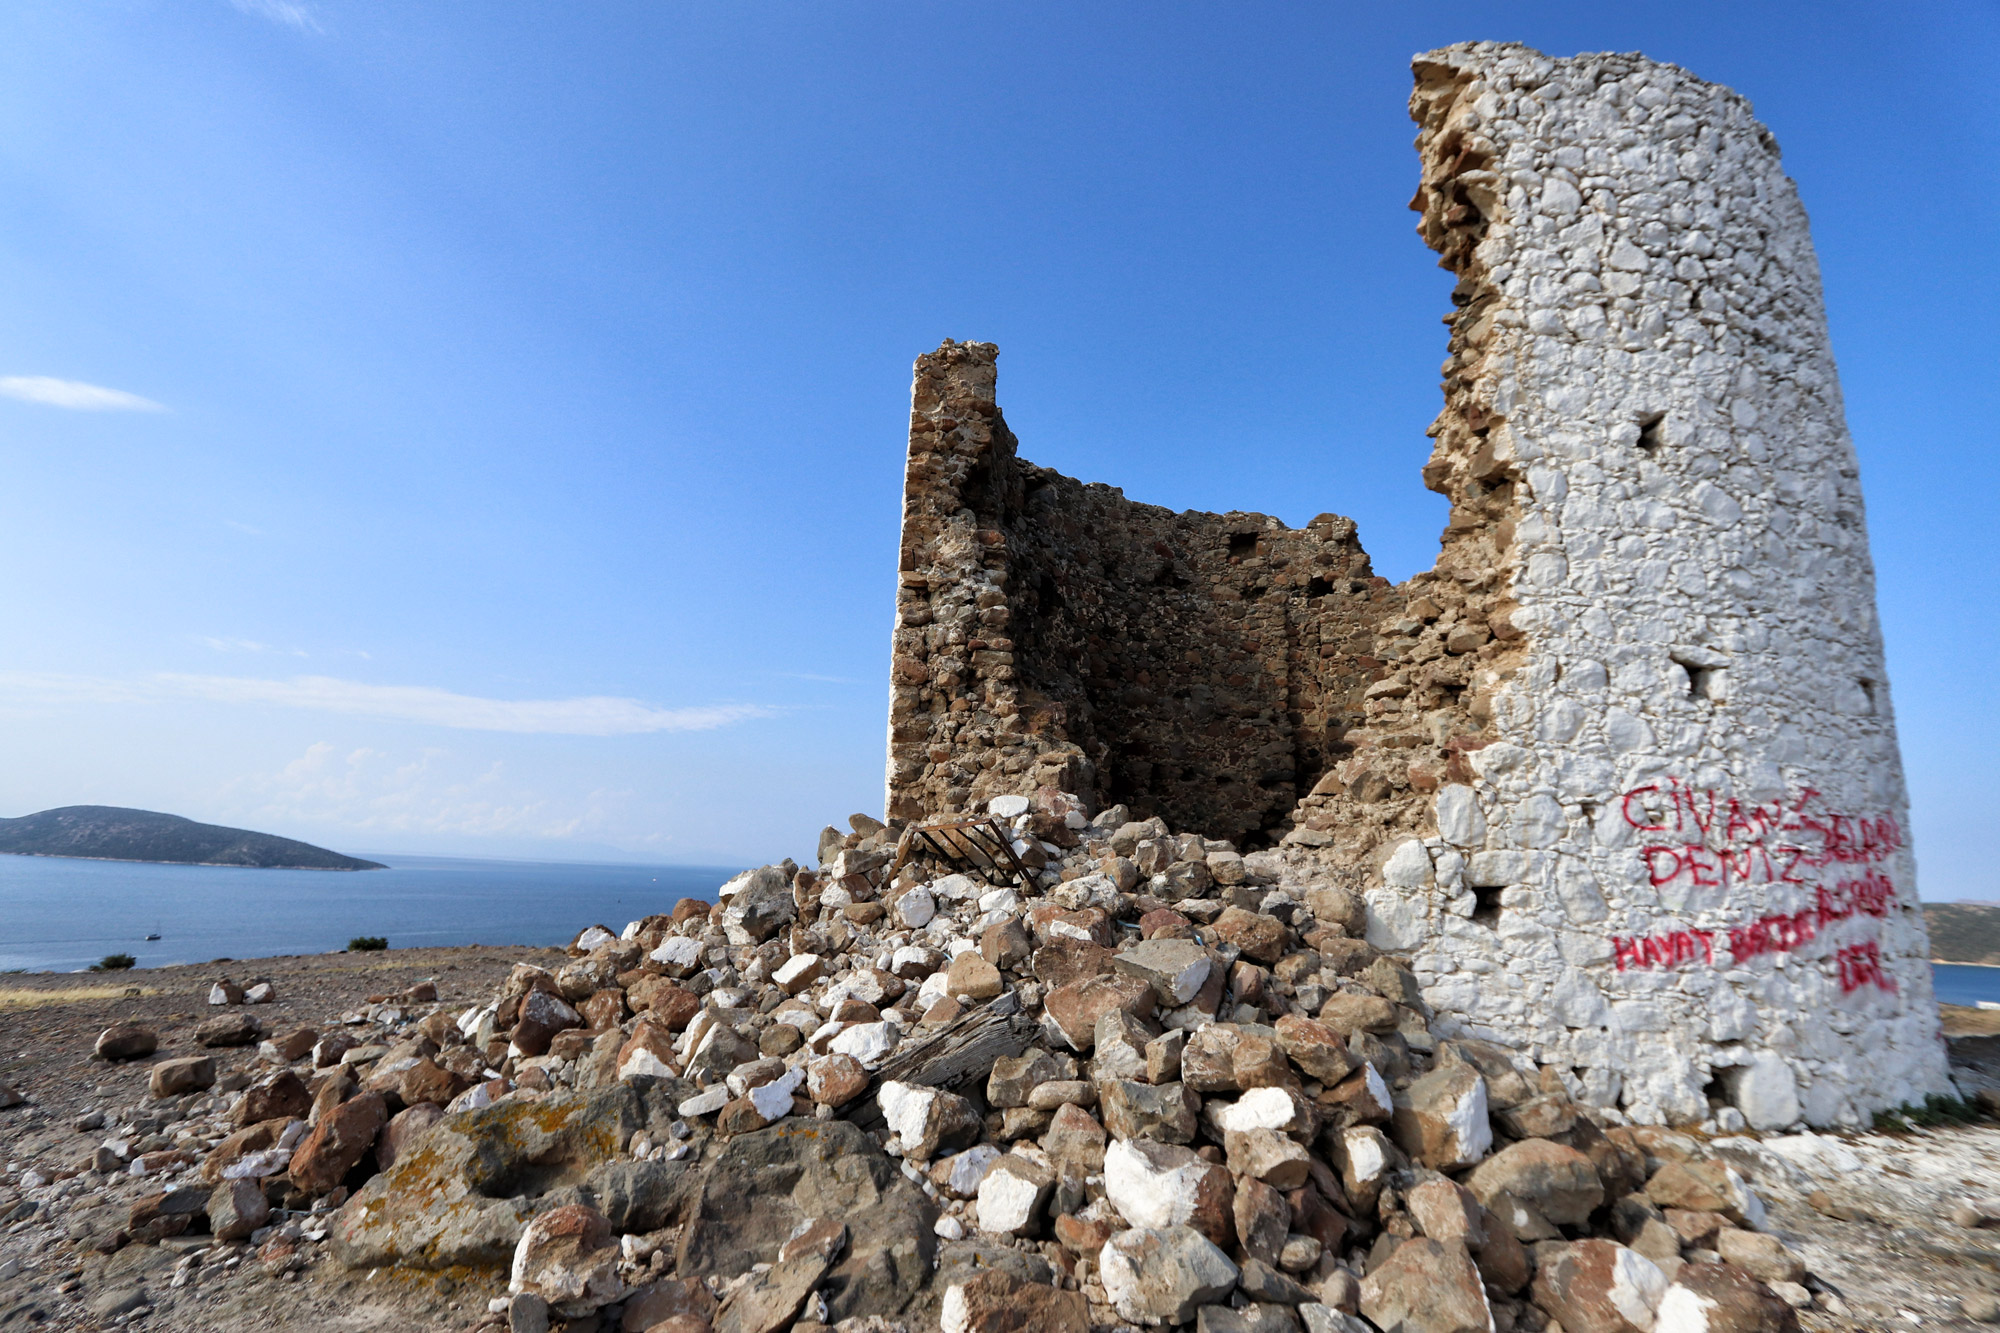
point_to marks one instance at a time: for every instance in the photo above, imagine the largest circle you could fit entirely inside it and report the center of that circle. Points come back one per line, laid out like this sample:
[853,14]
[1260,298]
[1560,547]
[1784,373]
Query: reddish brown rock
[1426,1286]
[279,1096]
[229,1030]
[1075,1139]
[254,1138]
[1315,1048]
[1221,1057]
[1006,945]
[338,1142]
[1081,1234]
[427,1081]
[1351,1013]
[188,1073]
[1263,1219]
[543,1014]
[654,1304]
[1063,961]
[997,1302]
[603,1009]
[668,1004]
[126,1041]
[1446,1210]
[1721,1298]
[403,1131]
[648,1052]
[1362,1098]
[294,1045]
[835,1080]
[1075,1008]
[569,1257]
[1263,938]
[1440,1119]
[1599,1286]
[1535,1186]
[1704,1186]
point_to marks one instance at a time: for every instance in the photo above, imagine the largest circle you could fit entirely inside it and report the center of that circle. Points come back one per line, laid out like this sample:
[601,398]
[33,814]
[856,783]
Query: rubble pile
[1111,1077]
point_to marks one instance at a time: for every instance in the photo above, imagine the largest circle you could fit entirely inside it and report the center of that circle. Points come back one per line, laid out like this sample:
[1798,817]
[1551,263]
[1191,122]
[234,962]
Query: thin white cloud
[595,715]
[74,395]
[290,13]
[247,646]
[430,792]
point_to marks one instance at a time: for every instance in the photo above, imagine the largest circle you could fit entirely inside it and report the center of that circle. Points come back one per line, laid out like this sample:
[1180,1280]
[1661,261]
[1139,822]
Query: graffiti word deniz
[1716,841]
[1708,840]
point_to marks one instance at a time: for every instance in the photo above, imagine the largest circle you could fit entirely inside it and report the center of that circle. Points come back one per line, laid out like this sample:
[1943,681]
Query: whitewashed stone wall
[1682,864]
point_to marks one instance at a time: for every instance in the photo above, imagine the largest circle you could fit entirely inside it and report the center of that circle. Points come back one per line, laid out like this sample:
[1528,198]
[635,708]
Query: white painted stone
[1459,819]
[1259,1108]
[1146,1195]
[705,1103]
[965,1170]
[773,1100]
[1637,1286]
[870,1043]
[1408,867]
[916,908]
[594,939]
[1766,1091]
[1163,1275]
[1396,921]
[642,1063]
[1010,1198]
[1683,1311]
[797,972]
[1007,807]
[678,952]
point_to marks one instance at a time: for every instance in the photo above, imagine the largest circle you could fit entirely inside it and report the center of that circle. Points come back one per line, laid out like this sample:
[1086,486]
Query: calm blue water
[58,914]
[1958,983]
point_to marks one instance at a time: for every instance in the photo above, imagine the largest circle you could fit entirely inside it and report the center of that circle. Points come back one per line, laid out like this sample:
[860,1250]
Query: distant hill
[108,833]
[1964,932]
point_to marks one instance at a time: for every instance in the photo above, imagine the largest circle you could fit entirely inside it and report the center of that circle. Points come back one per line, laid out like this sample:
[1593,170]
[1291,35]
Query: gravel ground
[1880,1218]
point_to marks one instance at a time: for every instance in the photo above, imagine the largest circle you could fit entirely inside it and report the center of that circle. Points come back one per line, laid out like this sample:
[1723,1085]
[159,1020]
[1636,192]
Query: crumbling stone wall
[1195,666]
[1680,862]
[1619,775]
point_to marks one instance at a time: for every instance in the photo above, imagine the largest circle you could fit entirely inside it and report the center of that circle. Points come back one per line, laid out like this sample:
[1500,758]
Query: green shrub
[367,944]
[1937,1109]
[115,962]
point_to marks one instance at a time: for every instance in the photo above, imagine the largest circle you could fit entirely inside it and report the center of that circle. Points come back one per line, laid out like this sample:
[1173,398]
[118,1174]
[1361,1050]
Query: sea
[59,914]
[1966,983]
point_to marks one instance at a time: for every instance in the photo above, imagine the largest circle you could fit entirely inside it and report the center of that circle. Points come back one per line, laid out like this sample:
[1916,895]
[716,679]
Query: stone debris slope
[1129,1081]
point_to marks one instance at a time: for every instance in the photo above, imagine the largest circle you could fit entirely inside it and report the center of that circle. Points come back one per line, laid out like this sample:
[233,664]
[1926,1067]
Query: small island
[111,833]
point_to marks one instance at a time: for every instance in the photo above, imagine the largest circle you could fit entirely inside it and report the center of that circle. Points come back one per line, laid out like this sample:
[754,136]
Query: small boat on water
[153,936]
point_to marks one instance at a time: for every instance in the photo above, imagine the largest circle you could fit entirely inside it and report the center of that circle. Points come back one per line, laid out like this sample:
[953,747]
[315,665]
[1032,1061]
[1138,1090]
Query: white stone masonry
[1683,868]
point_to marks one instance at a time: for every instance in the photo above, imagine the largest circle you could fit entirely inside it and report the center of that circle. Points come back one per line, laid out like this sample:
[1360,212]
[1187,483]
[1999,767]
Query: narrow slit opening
[1649,430]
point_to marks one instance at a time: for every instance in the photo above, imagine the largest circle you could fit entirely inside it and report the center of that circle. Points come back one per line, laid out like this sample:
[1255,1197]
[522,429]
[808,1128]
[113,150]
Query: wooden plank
[962,1053]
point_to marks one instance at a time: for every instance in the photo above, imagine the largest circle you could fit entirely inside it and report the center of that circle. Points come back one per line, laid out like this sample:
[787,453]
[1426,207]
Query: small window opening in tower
[1650,427]
[1868,692]
[1705,682]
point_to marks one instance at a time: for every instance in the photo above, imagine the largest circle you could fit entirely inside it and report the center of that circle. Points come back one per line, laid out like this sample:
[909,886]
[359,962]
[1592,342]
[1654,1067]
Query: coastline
[216,865]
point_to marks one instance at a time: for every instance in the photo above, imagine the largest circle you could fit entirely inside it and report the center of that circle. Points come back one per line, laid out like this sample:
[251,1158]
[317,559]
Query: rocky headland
[113,833]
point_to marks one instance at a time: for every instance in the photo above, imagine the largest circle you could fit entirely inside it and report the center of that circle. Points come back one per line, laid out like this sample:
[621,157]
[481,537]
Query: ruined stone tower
[1619,775]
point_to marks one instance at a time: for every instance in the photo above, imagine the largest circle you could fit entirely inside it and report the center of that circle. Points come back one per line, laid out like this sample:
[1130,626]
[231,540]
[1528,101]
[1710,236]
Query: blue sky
[517,391]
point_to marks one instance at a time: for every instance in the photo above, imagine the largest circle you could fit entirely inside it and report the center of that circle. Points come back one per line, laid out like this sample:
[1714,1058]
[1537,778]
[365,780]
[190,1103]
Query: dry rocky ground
[1135,1081]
